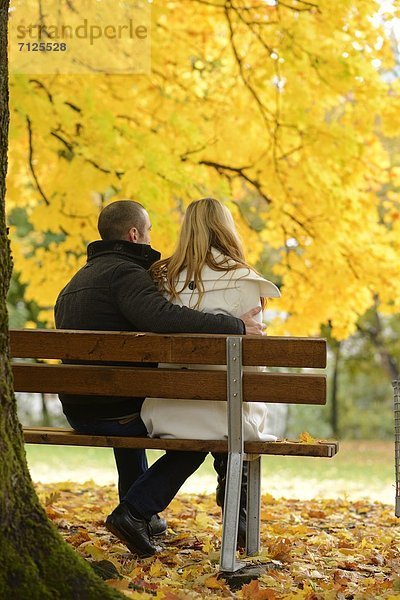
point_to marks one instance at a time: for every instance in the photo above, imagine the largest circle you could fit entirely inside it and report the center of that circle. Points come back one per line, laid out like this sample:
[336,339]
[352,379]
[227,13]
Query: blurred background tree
[288,111]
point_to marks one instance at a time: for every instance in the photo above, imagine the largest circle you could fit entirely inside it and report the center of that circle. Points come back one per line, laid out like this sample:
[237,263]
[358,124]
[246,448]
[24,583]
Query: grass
[362,469]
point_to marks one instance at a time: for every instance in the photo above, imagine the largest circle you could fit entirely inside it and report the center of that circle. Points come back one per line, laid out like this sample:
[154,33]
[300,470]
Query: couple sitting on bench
[204,287]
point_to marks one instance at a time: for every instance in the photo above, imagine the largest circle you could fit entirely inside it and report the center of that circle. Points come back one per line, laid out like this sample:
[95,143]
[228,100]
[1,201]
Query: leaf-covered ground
[321,549]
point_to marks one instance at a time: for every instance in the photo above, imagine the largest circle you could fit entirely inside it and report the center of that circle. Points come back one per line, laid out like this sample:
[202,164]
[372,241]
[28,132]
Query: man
[114,292]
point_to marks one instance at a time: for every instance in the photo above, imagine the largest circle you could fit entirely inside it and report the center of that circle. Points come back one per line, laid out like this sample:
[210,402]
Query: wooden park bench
[233,386]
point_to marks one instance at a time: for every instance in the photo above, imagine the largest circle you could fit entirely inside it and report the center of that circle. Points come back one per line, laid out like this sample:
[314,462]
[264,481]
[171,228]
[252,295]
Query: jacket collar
[140,253]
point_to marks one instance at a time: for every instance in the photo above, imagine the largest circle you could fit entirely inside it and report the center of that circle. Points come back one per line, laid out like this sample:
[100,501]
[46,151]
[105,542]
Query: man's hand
[252,326]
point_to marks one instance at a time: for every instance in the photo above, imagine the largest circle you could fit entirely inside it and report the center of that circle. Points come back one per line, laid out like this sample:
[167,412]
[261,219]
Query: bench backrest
[127,347]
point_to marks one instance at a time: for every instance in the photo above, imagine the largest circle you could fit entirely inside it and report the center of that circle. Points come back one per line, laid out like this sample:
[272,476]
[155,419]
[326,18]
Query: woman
[208,272]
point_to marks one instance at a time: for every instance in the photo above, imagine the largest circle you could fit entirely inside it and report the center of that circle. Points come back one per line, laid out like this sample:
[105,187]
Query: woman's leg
[220,465]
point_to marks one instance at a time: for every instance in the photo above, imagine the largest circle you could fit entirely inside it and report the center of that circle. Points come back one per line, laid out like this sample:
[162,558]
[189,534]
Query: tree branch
[74,107]
[31,161]
[43,87]
[97,166]
[265,113]
[220,168]
[68,145]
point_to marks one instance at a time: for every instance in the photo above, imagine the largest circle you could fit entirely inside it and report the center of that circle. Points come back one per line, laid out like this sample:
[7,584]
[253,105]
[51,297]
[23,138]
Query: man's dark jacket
[114,292]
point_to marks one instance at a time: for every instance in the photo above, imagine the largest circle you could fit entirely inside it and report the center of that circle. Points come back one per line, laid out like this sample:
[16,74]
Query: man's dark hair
[116,219]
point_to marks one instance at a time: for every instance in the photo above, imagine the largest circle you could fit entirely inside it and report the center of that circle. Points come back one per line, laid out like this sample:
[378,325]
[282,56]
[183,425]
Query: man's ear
[133,235]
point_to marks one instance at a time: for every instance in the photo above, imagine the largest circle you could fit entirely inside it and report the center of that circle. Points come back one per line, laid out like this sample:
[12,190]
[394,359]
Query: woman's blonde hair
[207,224]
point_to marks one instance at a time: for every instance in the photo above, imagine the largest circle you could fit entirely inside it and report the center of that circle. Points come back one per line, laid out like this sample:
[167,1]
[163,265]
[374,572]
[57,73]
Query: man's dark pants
[147,490]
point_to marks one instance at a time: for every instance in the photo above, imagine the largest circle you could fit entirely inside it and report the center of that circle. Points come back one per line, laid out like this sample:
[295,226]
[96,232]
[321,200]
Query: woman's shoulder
[231,274]
[235,272]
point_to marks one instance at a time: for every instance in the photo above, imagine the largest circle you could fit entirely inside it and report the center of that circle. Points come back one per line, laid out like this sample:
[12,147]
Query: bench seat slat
[166,383]
[49,435]
[169,348]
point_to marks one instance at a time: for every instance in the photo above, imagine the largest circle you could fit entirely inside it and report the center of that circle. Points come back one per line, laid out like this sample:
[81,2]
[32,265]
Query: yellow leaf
[213,583]
[92,550]
[156,569]
[207,546]
[118,584]
[306,438]
[252,591]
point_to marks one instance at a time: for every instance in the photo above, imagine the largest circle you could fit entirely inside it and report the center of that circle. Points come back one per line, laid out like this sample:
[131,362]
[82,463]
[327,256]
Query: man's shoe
[130,530]
[157,525]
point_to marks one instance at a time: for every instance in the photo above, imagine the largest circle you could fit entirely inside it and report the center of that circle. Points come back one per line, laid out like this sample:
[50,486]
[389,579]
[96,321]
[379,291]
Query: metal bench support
[253,504]
[228,562]
[396,386]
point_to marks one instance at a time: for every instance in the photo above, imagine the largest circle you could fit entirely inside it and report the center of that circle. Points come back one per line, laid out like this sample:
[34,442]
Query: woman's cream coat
[231,292]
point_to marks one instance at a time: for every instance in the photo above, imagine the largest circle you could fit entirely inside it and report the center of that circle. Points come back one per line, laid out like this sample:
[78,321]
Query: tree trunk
[35,562]
[388,361]
[45,411]
[374,331]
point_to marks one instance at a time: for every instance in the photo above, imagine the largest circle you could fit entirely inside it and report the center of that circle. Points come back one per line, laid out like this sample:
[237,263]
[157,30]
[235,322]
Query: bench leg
[253,506]
[228,562]
[396,385]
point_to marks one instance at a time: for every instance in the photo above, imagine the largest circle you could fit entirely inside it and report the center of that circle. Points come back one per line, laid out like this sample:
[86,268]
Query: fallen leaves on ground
[312,550]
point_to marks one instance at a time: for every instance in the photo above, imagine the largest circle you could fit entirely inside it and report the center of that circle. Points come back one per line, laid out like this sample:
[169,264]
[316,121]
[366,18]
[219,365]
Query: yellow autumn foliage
[280,109]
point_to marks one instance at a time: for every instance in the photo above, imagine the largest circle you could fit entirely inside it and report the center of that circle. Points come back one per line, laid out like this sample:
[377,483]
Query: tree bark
[35,562]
